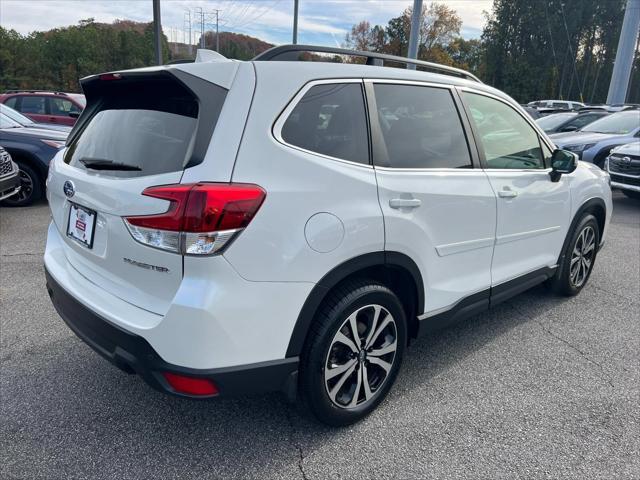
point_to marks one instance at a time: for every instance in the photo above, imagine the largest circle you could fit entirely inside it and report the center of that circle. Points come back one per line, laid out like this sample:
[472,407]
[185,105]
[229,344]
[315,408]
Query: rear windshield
[144,129]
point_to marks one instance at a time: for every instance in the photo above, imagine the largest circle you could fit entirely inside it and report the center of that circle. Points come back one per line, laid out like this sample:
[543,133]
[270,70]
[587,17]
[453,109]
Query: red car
[46,107]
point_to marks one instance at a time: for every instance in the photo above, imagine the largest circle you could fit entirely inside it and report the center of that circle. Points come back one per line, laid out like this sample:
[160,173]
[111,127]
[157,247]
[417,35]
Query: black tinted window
[331,120]
[33,105]
[421,128]
[143,128]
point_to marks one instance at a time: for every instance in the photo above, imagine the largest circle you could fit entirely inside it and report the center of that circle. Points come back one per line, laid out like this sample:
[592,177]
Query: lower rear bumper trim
[133,354]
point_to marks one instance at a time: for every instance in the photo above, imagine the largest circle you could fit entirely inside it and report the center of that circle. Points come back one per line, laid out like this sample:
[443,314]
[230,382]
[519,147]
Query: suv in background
[556,105]
[568,121]
[594,142]
[46,107]
[623,164]
[225,227]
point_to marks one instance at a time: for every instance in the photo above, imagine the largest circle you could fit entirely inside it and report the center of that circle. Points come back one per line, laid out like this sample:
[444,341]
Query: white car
[225,227]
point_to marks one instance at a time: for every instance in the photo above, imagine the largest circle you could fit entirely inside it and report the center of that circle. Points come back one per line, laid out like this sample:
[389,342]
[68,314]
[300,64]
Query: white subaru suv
[224,227]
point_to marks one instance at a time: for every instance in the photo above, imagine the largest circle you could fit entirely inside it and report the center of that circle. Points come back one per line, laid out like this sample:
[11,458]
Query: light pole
[157,27]
[414,36]
[295,21]
[624,56]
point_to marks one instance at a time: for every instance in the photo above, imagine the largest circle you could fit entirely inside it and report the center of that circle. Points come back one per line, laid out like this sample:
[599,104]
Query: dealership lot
[539,387]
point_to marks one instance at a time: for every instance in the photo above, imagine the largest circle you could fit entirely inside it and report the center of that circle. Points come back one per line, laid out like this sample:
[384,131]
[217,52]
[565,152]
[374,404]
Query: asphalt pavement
[540,387]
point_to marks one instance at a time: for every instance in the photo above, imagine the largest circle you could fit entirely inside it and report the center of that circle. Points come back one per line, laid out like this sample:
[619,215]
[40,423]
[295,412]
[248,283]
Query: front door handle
[405,202]
[507,194]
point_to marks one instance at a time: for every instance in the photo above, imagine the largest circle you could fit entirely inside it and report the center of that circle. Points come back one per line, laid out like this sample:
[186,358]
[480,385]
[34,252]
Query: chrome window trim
[276,130]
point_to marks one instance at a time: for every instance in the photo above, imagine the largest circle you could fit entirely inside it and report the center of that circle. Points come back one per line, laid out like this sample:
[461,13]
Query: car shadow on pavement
[87,408]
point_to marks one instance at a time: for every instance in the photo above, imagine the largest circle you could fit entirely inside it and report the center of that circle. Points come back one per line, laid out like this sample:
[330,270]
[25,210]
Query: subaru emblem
[626,160]
[68,189]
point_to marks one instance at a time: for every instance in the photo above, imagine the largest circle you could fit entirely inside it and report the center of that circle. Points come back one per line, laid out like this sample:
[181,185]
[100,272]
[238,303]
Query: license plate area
[81,225]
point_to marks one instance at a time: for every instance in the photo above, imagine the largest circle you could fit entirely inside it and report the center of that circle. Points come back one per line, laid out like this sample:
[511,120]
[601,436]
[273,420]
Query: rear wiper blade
[103,164]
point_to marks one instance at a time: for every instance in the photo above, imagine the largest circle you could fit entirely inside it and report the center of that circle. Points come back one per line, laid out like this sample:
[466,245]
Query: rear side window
[33,105]
[421,128]
[330,120]
[138,128]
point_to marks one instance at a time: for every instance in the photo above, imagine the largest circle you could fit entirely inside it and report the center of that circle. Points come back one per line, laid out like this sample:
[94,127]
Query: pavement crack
[573,347]
[20,254]
[609,292]
[296,445]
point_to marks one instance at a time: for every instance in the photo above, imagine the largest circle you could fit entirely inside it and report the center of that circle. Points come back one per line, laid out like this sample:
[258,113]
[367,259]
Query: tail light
[202,218]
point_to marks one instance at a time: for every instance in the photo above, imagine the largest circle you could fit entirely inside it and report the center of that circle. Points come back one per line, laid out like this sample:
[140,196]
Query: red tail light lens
[190,385]
[201,218]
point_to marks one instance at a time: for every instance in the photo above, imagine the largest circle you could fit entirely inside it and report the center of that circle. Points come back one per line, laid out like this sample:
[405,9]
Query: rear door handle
[507,194]
[405,202]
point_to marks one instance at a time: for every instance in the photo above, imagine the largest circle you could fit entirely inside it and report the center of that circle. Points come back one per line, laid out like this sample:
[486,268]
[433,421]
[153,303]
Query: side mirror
[569,128]
[562,162]
[74,114]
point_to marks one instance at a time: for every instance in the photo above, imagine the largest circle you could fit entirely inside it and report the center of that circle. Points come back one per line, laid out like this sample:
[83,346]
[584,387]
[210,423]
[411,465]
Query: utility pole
[414,37]
[201,13]
[186,20]
[621,75]
[157,27]
[217,31]
[295,21]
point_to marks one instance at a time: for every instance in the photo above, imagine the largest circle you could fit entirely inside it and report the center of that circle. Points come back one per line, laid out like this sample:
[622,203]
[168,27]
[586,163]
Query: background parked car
[568,121]
[46,107]
[533,113]
[594,142]
[25,121]
[623,164]
[32,149]
[9,176]
[556,104]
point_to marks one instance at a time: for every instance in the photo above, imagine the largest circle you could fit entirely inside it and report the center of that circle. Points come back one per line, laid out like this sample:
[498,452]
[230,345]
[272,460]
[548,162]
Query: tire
[330,396]
[631,194]
[578,259]
[31,190]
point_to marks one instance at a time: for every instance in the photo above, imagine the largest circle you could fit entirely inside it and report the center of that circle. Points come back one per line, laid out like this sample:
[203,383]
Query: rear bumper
[133,354]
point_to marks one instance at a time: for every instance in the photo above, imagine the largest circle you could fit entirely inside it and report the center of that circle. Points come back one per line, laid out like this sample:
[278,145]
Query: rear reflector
[201,219]
[190,385]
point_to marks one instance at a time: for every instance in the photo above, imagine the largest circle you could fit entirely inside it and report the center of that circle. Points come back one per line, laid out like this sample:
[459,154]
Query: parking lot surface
[540,387]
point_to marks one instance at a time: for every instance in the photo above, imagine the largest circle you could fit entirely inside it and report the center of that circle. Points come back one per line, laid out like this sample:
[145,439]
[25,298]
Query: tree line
[532,49]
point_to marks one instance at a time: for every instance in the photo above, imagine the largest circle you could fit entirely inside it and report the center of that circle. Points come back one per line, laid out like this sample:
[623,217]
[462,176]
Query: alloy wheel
[26,188]
[361,356]
[582,257]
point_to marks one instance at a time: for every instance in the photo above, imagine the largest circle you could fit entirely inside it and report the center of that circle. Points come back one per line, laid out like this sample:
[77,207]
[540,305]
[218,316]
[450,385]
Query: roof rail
[41,90]
[291,52]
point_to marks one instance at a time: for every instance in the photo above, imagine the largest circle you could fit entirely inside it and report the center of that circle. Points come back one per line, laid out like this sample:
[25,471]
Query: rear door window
[34,105]
[331,120]
[144,128]
[62,107]
[421,128]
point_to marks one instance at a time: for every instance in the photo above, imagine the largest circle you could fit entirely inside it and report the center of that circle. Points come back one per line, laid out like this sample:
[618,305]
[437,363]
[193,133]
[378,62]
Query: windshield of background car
[15,115]
[619,123]
[552,121]
[6,122]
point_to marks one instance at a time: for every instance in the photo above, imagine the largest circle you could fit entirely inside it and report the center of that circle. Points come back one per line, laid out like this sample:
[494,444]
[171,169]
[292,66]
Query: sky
[320,22]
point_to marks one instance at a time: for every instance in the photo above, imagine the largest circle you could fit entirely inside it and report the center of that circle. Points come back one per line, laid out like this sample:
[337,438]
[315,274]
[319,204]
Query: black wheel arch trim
[585,207]
[337,275]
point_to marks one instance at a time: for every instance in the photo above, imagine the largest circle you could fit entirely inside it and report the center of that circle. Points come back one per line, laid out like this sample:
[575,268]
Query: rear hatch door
[139,130]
